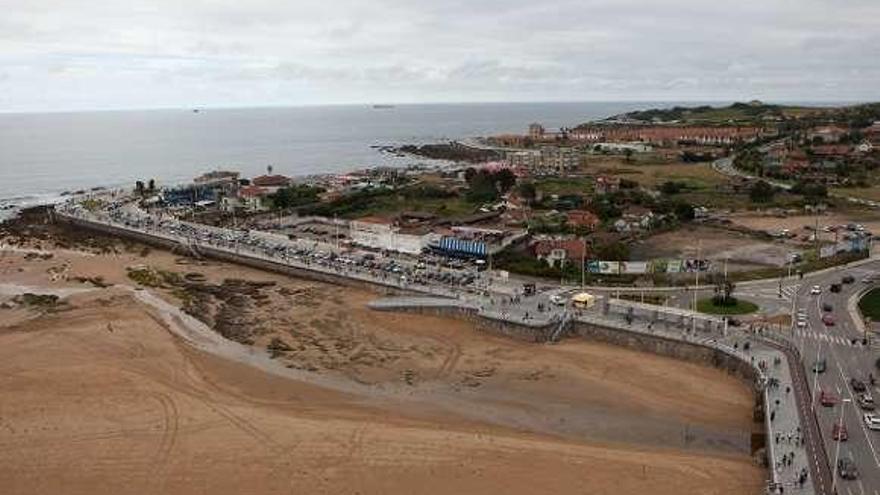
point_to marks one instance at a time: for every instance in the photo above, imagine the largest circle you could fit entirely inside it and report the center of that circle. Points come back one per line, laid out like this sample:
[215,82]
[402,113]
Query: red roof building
[560,250]
[271,181]
[583,218]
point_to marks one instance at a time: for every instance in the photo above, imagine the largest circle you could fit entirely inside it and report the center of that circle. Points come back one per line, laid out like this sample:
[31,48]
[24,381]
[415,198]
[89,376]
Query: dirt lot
[744,252]
[97,395]
[796,224]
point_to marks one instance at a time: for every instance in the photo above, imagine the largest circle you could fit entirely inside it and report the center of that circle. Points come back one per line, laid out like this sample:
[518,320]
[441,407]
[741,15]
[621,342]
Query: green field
[740,308]
[869,305]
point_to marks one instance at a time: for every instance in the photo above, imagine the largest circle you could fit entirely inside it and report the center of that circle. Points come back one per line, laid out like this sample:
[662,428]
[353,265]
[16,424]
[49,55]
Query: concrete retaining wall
[670,347]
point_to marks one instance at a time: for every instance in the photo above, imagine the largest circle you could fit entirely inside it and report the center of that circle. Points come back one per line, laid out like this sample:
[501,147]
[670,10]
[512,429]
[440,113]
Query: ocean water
[42,155]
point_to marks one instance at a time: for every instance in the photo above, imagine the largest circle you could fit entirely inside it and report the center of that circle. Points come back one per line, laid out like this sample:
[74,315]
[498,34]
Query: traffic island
[732,306]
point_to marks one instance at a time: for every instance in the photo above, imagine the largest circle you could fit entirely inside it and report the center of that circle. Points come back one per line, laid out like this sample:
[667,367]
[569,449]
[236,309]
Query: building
[251,198]
[217,177]
[271,182]
[607,185]
[635,219]
[529,159]
[382,233]
[623,147]
[826,134]
[667,135]
[556,252]
[872,133]
[583,218]
[558,160]
[536,131]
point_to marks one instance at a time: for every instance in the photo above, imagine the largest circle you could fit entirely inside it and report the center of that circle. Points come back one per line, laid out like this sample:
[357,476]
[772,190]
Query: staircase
[564,324]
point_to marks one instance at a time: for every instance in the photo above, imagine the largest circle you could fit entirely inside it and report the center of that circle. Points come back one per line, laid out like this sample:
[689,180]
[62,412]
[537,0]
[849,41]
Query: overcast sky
[85,54]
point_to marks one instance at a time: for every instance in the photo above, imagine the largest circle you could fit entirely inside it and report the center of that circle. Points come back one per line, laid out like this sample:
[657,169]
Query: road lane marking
[858,419]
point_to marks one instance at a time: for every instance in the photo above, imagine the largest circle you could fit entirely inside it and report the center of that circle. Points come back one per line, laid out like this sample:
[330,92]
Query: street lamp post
[837,450]
[816,372]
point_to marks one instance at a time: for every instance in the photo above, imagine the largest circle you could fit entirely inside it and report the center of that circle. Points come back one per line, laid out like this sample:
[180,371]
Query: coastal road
[841,347]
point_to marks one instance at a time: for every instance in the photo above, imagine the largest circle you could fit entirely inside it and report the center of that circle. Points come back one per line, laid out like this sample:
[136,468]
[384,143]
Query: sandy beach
[100,391]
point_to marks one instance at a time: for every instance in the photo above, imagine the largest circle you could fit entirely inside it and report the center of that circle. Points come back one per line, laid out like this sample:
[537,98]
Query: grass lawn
[740,308]
[698,176]
[869,305]
[567,185]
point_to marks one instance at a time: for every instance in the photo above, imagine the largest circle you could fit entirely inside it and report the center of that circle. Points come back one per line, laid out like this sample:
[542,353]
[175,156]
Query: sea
[44,155]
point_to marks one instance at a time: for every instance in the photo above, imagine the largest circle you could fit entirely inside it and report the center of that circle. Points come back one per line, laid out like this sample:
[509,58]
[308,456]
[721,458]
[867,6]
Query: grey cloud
[61,54]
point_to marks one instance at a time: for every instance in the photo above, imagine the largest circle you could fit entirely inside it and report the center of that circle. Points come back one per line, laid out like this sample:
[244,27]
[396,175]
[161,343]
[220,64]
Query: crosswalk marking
[822,337]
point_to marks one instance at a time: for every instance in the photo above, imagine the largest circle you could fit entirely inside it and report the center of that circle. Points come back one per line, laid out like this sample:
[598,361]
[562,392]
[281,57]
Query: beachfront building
[536,131]
[271,183]
[382,233]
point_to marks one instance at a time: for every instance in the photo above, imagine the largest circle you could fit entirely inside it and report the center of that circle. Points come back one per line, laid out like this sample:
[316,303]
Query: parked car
[848,279]
[872,421]
[857,385]
[820,366]
[827,399]
[828,320]
[557,300]
[846,468]
[839,433]
[866,402]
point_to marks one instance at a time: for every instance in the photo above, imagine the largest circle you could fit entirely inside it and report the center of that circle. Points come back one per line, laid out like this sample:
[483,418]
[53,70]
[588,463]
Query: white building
[378,233]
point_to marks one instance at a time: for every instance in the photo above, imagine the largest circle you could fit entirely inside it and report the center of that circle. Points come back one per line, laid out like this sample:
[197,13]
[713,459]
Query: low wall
[217,254]
[670,347]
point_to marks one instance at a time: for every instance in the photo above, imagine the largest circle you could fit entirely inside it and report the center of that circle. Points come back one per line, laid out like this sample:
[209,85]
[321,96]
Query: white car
[872,421]
[801,323]
[816,290]
[557,300]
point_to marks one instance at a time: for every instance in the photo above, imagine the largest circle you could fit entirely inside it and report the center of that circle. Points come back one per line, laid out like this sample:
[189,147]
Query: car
[866,402]
[857,385]
[848,279]
[872,421]
[557,300]
[839,433]
[827,307]
[828,320]
[827,399]
[835,288]
[801,323]
[868,280]
[816,290]
[820,366]
[846,468]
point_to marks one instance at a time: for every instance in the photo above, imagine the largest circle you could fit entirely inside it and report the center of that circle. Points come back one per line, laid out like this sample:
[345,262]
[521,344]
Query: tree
[152,185]
[724,292]
[671,187]
[613,251]
[527,191]
[628,154]
[505,179]
[761,192]
[139,187]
